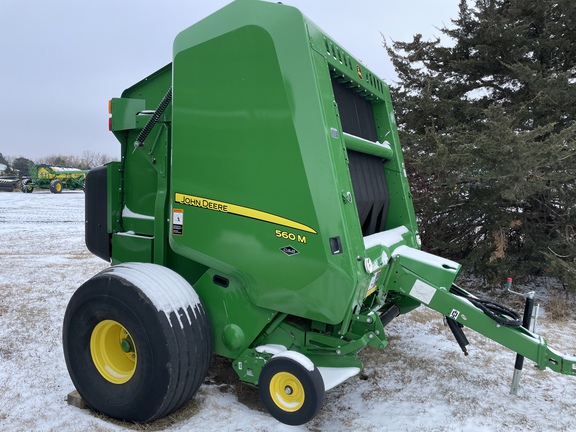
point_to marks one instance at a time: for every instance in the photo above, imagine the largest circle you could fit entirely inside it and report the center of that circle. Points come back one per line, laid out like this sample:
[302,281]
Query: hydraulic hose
[154,119]
[501,314]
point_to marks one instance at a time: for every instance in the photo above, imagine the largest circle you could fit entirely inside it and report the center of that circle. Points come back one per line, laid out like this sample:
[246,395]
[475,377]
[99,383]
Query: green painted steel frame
[428,279]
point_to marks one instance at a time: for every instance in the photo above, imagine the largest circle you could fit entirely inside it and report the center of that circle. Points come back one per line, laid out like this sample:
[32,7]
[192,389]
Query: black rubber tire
[173,355]
[24,187]
[56,186]
[312,386]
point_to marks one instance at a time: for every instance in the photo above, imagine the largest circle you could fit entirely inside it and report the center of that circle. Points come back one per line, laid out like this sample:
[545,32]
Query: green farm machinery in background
[54,178]
[260,211]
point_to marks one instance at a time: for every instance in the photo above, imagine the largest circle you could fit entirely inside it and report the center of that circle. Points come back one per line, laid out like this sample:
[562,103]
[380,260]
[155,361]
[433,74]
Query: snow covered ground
[420,382]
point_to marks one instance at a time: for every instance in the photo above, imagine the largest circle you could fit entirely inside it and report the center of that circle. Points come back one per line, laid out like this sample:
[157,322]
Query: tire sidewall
[311,382]
[56,186]
[108,297]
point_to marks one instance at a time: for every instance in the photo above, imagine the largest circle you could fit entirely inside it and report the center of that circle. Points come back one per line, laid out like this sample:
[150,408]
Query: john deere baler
[260,211]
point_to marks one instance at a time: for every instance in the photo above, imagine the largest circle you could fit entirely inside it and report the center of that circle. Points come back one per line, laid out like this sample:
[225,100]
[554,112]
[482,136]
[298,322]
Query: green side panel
[130,247]
[190,270]
[234,320]
[253,162]
[125,111]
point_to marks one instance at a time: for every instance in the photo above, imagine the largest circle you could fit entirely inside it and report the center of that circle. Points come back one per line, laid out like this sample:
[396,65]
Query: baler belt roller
[362,145]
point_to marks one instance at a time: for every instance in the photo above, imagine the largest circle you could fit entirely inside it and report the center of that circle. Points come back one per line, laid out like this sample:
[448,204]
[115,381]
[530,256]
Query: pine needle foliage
[488,124]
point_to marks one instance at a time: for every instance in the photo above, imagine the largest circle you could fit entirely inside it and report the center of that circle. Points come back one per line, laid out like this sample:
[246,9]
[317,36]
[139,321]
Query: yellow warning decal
[219,206]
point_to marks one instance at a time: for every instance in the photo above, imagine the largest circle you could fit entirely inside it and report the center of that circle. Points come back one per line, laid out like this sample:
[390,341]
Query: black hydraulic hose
[501,314]
[154,119]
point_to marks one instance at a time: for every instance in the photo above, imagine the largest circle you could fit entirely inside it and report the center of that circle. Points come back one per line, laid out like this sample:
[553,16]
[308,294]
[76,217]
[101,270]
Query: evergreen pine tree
[488,126]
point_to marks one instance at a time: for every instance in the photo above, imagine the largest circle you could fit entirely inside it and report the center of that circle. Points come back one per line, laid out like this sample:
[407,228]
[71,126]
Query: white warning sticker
[454,314]
[422,291]
[177,221]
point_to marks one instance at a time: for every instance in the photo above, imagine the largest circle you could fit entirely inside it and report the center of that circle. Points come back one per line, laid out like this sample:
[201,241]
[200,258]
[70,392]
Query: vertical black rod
[526,320]
[528,308]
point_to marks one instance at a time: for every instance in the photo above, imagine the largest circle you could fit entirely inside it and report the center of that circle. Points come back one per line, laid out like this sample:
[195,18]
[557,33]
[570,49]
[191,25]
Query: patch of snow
[61,169]
[126,212]
[304,361]
[166,289]
[425,257]
[270,349]
[131,234]
[386,238]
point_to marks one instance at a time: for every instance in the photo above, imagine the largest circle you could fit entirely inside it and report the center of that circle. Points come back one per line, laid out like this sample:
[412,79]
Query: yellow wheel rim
[58,187]
[113,352]
[287,392]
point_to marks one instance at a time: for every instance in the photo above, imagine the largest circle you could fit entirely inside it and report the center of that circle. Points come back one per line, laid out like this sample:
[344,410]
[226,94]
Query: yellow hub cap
[287,392]
[113,352]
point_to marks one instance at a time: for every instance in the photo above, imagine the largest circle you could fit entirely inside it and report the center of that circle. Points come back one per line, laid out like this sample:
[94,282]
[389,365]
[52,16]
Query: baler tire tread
[173,354]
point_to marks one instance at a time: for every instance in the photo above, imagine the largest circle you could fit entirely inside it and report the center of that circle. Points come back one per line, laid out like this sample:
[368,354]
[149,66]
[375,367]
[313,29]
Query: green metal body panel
[237,320]
[266,109]
[274,183]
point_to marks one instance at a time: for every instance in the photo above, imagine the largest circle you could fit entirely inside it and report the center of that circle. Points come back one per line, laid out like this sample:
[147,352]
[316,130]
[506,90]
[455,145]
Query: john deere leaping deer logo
[359,72]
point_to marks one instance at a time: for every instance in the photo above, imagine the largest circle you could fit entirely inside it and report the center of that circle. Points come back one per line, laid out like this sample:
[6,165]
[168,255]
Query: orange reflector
[110,106]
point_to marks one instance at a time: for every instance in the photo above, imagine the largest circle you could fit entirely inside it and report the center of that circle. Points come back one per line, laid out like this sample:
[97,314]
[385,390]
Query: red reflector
[110,124]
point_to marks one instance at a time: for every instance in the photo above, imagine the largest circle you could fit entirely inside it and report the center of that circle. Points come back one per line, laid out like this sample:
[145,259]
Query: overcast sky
[62,60]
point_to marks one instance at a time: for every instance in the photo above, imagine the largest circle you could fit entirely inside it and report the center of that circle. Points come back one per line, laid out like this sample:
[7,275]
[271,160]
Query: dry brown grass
[559,307]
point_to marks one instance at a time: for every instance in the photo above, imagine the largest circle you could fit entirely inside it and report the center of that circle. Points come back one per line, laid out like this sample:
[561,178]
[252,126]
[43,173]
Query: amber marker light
[110,112]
